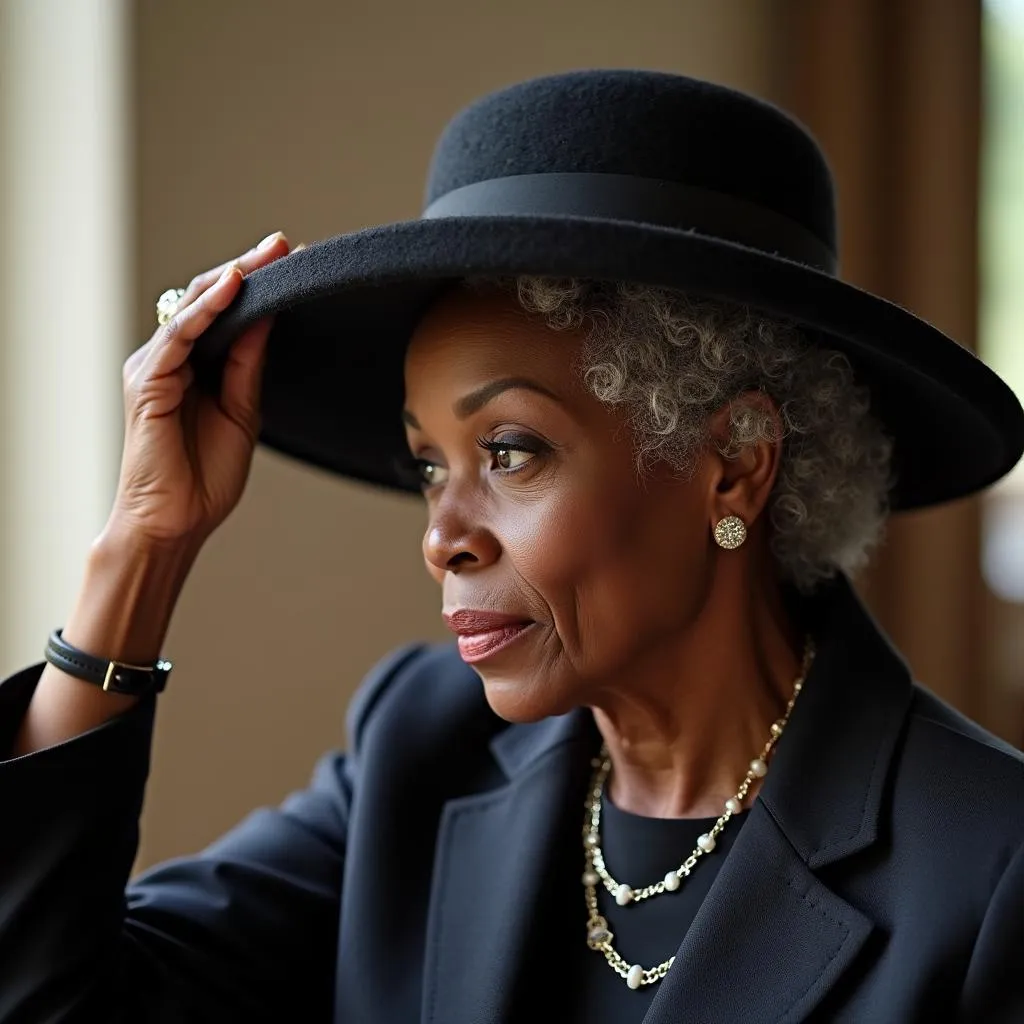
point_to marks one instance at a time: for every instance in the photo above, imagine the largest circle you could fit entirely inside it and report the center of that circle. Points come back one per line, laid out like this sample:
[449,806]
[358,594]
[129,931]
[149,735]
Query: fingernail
[226,272]
[301,245]
[269,240]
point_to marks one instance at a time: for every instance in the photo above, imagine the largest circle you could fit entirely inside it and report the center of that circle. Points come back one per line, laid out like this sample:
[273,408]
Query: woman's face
[561,568]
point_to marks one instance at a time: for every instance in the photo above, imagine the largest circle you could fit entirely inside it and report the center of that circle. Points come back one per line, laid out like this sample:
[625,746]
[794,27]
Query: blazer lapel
[768,941]
[493,852]
[771,939]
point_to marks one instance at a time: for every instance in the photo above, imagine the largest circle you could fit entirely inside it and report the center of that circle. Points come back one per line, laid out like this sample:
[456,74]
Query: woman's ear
[744,471]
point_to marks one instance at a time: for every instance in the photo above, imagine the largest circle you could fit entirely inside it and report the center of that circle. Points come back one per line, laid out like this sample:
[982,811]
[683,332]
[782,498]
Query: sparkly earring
[730,532]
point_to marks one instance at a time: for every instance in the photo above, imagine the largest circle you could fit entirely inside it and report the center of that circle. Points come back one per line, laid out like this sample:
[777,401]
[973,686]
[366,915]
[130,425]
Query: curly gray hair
[672,360]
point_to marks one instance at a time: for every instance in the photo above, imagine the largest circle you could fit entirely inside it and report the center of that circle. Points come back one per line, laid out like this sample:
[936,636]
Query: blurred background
[142,141]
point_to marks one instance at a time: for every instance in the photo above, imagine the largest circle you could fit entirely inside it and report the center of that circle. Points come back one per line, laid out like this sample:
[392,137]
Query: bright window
[1002,268]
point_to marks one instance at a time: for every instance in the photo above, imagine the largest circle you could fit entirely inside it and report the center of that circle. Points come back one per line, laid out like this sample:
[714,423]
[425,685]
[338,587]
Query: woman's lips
[482,634]
[477,646]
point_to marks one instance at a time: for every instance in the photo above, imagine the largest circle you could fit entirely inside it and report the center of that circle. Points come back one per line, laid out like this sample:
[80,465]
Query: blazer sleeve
[244,930]
[994,986]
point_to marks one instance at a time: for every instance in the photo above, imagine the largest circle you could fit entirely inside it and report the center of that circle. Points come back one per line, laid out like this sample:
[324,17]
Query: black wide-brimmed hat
[612,175]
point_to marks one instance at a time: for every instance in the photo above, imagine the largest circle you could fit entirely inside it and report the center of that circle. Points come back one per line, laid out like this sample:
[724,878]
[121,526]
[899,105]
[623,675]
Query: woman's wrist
[128,595]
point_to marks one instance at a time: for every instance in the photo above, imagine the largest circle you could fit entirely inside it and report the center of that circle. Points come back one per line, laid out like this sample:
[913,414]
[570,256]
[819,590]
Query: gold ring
[167,304]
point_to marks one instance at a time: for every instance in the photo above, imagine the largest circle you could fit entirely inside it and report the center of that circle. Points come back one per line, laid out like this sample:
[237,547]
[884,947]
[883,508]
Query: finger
[174,341]
[203,282]
[271,248]
[268,249]
[242,379]
[157,397]
[186,376]
[136,358]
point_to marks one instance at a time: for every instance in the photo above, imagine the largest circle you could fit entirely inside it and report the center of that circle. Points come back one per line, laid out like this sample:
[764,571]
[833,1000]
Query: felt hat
[608,174]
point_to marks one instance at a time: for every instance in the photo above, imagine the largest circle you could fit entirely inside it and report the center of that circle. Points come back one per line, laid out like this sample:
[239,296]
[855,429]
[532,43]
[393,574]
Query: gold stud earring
[730,532]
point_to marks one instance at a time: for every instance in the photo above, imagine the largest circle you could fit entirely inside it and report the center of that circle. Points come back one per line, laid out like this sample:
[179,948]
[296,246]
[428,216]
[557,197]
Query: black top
[640,850]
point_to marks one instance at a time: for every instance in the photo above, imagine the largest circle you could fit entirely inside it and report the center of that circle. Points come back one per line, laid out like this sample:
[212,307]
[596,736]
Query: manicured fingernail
[228,271]
[269,240]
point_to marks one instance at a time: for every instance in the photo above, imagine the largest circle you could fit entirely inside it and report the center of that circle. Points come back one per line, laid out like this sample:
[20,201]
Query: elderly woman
[671,770]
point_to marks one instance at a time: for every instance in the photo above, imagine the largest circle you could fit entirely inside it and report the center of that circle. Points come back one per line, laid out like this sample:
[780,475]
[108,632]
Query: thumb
[242,378]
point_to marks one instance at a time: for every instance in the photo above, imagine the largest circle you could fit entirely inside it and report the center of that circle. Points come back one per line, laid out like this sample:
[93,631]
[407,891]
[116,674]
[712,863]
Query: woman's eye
[513,451]
[431,473]
[511,458]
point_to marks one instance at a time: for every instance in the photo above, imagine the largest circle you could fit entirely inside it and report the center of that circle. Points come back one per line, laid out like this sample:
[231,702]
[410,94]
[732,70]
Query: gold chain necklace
[599,936]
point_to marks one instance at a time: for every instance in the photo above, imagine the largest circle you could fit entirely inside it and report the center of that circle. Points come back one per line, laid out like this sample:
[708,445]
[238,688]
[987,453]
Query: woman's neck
[682,729]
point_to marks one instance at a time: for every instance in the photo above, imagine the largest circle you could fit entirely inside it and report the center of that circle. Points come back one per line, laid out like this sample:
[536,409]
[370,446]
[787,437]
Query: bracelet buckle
[157,673]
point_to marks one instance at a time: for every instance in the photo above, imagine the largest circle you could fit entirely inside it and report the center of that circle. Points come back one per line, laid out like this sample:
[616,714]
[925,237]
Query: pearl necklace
[599,936]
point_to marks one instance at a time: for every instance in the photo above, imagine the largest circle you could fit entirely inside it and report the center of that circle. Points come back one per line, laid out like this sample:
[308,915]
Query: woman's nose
[452,543]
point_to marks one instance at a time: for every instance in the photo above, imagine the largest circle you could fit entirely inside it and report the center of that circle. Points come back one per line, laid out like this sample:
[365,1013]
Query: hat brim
[346,306]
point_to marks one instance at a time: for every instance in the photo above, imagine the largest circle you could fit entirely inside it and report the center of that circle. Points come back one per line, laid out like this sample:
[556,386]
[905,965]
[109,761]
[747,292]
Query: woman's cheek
[553,538]
[568,554]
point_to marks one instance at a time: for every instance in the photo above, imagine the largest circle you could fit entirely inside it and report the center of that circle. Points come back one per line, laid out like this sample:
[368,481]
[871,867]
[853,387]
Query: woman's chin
[520,702]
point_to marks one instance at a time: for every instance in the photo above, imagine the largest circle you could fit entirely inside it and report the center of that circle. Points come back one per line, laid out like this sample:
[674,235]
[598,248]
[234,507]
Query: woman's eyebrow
[476,400]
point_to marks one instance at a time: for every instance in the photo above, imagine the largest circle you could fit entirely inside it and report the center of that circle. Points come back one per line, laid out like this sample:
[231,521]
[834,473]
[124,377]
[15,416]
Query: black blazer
[879,876]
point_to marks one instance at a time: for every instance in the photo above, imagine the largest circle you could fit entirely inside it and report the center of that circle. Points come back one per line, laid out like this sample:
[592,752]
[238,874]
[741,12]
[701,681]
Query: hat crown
[646,124]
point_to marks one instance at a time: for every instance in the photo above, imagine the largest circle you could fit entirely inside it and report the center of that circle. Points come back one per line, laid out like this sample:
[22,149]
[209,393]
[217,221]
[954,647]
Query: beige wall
[64,301]
[318,117]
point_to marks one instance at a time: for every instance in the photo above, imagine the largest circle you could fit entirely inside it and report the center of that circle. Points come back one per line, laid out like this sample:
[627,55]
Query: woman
[654,434]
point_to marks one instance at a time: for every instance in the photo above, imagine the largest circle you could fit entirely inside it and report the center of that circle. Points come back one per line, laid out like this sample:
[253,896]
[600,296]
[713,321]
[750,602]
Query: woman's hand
[187,455]
[184,466]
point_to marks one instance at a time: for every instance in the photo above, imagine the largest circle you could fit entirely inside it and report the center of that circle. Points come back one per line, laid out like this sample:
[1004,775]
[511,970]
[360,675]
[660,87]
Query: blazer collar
[498,851]
[828,771]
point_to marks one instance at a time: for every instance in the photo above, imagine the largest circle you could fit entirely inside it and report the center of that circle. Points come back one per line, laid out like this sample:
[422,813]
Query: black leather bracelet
[112,676]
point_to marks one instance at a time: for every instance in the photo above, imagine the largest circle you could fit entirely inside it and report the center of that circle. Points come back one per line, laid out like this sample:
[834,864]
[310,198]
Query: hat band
[667,204]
